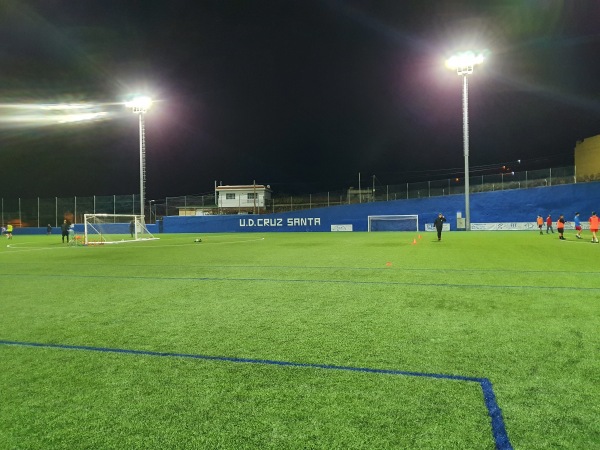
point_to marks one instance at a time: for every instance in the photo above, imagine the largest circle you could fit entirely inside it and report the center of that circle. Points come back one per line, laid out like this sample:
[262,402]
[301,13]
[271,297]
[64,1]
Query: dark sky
[302,95]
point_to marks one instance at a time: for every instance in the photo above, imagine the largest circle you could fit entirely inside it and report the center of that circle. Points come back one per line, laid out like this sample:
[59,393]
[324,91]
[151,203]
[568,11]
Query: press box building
[245,198]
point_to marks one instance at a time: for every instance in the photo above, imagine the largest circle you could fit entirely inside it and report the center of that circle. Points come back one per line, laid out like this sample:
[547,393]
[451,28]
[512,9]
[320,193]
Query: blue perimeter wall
[152,228]
[519,205]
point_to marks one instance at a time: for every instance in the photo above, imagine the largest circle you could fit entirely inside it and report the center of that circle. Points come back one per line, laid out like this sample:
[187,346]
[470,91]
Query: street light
[507,173]
[464,63]
[139,106]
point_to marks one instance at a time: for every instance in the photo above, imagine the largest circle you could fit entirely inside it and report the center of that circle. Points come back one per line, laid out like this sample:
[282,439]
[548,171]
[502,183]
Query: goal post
[115,229]
[409,222]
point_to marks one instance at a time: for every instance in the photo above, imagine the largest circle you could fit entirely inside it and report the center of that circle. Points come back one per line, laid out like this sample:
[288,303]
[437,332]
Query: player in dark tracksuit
[439,225]
[64,228]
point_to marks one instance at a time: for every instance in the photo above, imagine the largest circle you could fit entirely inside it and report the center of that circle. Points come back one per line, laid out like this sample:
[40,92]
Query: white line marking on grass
[13,250]
[238,242]
[204,242]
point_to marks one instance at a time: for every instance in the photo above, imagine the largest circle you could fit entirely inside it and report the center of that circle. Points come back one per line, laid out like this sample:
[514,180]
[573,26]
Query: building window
[230,196]
[252,196]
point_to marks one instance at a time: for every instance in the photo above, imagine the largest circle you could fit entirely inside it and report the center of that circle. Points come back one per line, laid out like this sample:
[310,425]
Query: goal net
[114,228]
[394,223]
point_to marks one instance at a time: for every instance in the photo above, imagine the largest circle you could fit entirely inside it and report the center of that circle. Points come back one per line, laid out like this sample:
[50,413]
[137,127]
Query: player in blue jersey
[577,222]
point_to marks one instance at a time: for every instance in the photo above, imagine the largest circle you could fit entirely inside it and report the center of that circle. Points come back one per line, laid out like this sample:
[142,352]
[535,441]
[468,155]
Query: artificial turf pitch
[296,341]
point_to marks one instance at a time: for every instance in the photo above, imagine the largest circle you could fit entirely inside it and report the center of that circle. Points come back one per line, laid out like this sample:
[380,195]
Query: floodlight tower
[464,63]
[139,106]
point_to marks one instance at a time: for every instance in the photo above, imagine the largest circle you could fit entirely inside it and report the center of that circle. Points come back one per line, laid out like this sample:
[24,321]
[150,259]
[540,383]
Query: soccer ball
[197,240]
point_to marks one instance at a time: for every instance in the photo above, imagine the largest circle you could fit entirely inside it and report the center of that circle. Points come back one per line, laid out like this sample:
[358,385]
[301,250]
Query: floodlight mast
[140,106]
[464,63]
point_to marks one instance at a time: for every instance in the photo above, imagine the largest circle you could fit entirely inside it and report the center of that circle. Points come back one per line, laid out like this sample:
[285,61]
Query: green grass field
[246,341]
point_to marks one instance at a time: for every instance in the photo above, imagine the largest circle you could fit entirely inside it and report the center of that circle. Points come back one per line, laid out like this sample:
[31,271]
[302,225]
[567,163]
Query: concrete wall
[587,159]
[519,205]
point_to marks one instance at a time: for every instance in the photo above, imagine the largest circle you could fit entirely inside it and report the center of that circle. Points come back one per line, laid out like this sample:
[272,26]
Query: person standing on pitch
[560,227]
[439,225]
[577,221]
[594,226]
[9,230]
[540,223]
[64,228]
[549,224]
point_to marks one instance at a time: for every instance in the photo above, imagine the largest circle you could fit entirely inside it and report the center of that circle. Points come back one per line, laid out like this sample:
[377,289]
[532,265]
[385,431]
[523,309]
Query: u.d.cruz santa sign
[280,222]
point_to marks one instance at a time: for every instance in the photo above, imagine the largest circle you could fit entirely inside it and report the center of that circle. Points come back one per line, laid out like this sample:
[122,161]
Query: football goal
[394,223]
[114,229]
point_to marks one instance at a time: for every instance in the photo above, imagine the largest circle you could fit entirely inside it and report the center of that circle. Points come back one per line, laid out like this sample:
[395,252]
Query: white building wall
[241,199]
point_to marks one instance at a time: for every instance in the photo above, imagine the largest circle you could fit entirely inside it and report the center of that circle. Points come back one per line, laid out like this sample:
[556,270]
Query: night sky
[301,95]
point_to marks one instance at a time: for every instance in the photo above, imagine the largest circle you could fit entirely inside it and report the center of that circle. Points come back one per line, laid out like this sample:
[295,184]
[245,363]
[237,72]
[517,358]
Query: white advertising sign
[341,227]
[430,227]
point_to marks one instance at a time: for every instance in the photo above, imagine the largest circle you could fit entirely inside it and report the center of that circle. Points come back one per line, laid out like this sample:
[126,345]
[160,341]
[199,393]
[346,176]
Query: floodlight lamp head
[139,105]
[464,62]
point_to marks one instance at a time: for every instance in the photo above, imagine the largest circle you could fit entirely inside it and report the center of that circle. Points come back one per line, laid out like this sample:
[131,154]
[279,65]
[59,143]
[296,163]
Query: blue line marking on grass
[348,268]
[298,280]
[498,428]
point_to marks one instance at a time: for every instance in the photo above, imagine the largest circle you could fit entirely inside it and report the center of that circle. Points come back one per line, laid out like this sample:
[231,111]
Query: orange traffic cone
[414,241]
[419,236]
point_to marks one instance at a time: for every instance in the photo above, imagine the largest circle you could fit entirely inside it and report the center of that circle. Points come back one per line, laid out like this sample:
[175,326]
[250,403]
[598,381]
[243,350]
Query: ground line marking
[498,428]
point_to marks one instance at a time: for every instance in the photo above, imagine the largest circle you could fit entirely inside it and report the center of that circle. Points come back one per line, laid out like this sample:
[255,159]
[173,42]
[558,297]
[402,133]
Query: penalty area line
[497,422]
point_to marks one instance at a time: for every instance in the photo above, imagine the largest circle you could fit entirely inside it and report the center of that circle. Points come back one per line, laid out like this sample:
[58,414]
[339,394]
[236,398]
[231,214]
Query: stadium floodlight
[464,63]
[140,106]
[502,174]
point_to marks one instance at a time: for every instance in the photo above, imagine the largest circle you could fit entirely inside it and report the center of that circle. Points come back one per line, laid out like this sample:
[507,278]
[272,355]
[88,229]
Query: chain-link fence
[40,212]
[206,204]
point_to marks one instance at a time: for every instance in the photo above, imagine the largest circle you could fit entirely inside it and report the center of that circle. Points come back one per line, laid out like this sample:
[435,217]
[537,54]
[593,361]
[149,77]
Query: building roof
[245,187]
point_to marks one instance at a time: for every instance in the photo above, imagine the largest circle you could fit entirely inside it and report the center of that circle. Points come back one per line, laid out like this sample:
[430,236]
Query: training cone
[419,236]
[414,241]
